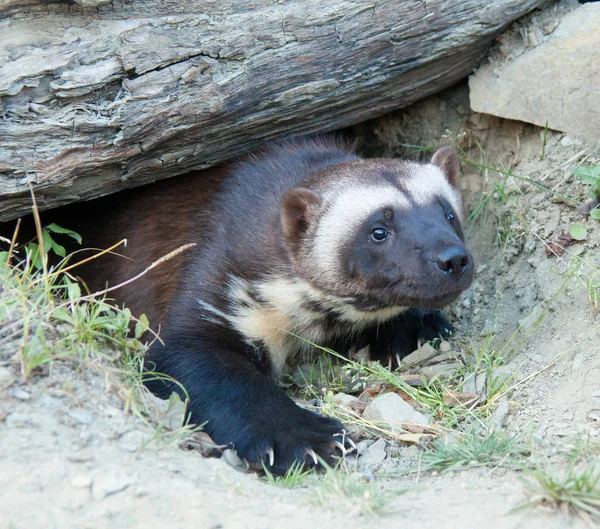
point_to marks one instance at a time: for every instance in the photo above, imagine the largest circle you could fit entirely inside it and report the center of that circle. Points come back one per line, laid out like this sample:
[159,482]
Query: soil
[70,456]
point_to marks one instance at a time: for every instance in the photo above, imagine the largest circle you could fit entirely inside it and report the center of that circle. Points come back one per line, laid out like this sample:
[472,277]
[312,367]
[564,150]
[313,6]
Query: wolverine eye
[379,234]
[450,216]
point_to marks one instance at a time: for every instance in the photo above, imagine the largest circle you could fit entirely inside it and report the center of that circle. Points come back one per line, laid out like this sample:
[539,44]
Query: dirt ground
[71,457]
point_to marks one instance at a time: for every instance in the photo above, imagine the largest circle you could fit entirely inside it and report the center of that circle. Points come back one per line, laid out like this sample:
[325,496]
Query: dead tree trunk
[100,95]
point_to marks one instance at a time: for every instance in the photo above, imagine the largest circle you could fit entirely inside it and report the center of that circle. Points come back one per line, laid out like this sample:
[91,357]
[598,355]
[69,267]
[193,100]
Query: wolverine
[303,243]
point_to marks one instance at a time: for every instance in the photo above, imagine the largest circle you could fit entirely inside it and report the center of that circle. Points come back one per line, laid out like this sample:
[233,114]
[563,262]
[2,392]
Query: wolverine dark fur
[304,242]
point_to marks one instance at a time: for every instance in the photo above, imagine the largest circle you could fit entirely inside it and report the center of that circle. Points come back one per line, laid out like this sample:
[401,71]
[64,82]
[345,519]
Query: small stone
[349,402]
[469,384]
[441,358]
[6,378]
[480,381]
[81,482]
[420,356]
[361,447]
[567,141]
[446,368]
[232,459]
[390,411]
[498,417]
[373,457]
[445,347]
[19,393]
[82,416]
[50,402]
[19,420]
[133,440]
[106,485]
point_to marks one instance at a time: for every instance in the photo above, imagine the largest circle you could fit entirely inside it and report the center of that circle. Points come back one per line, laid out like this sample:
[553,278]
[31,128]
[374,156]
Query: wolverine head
[381,233]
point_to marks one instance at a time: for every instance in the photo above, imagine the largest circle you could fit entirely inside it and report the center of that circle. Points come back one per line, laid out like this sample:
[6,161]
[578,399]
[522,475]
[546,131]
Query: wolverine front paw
[281,438]
[401,336]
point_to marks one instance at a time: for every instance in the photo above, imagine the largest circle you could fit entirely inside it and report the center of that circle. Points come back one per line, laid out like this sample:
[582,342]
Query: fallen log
[98,95]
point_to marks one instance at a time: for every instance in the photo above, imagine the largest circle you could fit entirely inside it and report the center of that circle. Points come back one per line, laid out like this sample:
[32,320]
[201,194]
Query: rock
[6,378]
[441,358]
[480,385]
[19,393]
[499,415]
[363,445]
[420,356]
[469,383]
[373,456]
[446,368]
[390,411]
[50,402]
[555,82]
[445,347]
[82,416]
[19,420]
[81,482]
[106,484]
[349,402]
[133,440]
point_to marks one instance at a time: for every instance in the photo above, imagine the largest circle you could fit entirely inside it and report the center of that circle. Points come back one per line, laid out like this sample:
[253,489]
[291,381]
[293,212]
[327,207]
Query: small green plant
[590,174]
[294,476]
[576,489]
[491,448]
[350,491]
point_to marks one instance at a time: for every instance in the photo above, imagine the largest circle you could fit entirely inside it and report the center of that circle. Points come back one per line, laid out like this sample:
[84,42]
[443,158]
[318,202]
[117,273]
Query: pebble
[50,402]
[81,482]
[19,420]
[107,484]
[498,417]
[445,347]
[390,411]
[373,457]
[19,393]
[469,384]
[6,378]
[362,446]
[420,356]
[133,440]
[82,416]
[446,368]
[349,402]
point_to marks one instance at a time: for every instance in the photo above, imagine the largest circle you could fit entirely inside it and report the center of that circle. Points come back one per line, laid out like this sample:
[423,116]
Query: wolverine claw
[313,456]
[271,455]
[341,447]
[351,443]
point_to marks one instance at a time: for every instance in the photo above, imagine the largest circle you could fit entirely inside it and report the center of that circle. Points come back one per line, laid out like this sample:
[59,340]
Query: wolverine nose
[453,260]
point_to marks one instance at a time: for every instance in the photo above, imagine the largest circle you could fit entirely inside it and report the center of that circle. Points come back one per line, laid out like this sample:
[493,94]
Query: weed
[349,491]
[294,476]
[491,448]
[576,489]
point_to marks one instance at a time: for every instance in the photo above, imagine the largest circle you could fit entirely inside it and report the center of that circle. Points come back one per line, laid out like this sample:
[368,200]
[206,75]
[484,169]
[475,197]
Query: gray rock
[6,378]
[51,403]
[445,347]
[19,393]
[390,411]
[362,446]
[420,356]
[469,384]
[498,417]
[555,82]
[19,420]
[445,368]
[82,416]
[106,484]
[373,456]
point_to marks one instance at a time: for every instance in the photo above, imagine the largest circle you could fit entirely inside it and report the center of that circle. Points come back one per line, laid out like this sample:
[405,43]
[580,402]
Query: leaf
[588,174]
[141,326]
[595,213]
[3,257]
[33,250]
[578,232]
[55,228]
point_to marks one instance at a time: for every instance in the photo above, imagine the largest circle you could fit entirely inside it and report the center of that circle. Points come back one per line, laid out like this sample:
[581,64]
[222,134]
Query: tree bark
[99,95]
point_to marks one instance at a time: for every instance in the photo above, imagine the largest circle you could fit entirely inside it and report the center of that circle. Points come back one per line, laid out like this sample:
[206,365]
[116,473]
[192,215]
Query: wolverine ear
[445,158]
[298,206]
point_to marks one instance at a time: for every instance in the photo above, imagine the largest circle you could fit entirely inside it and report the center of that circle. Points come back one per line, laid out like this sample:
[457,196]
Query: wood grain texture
[98,96]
